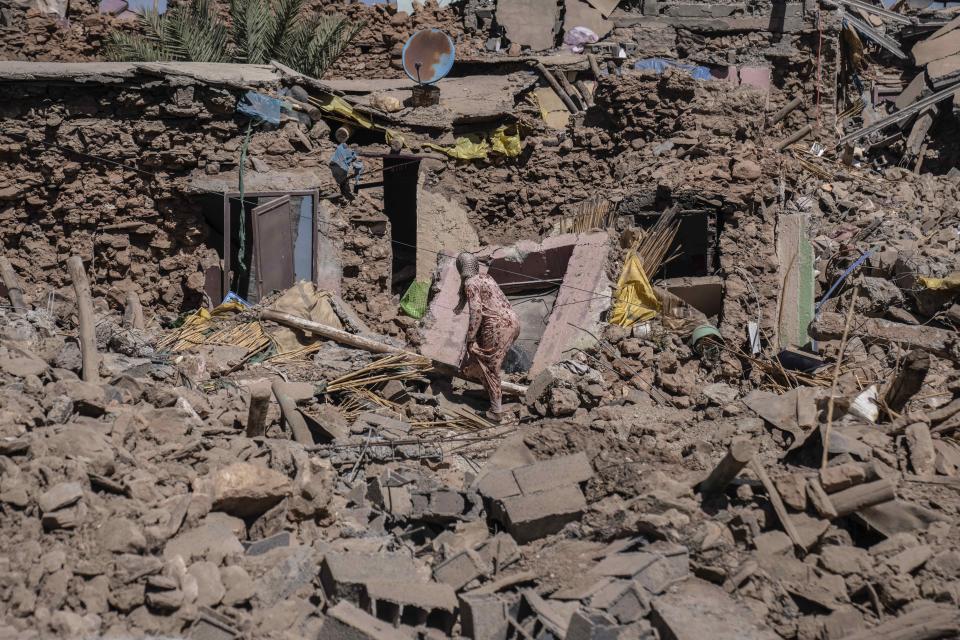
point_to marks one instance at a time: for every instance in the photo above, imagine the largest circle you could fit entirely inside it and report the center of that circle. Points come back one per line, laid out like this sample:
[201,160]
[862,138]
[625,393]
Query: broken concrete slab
[531,23]
[795,254]
[578,13]
[531,516]
[936,48]
[829,326]
[345,575]
[696,609]
[944,72]
[345,621]
[549,474]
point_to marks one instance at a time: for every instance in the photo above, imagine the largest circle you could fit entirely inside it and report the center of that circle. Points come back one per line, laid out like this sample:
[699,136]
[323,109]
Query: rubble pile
[236,396]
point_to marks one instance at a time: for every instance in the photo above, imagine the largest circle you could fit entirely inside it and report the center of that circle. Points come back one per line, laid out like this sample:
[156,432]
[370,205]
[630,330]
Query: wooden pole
[567,100]
[836,375]
[585,92]
[133,311]
[298,426]
[594,67]
[88,339]
[572,91]
[796,137]
[12,283]
[863,495]
[786,110]
[257,416]
[739,454]
[777,503]
[359,342]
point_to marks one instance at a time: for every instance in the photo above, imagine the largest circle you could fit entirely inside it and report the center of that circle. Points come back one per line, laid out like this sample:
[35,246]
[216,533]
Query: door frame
[229,195]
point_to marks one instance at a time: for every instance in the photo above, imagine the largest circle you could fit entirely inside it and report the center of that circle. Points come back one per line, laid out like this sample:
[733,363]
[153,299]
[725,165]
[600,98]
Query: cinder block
[461,569]
[483,617]
[345,575]
[553,473]
[535,515]
[499,484]
[431,604]
[346,622]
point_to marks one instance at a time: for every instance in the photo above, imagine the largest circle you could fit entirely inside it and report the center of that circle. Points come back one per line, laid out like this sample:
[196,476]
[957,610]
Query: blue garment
[260,106]
[344,160]
[659,65]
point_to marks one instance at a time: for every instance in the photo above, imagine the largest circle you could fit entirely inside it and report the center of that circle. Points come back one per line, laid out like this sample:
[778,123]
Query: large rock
[243,489]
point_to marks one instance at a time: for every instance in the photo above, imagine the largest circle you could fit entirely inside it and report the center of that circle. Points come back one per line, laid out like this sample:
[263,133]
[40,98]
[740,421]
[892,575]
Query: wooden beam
[12,283]
[361,342]
[777,503]
[298,426]
[87,322]
[739,454]
[861,496]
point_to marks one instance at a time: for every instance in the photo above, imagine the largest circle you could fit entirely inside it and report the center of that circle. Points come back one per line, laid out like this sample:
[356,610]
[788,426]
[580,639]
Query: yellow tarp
[552,109]
[337,106]
[952,281]
[476,147]
[634,300]
[303,300]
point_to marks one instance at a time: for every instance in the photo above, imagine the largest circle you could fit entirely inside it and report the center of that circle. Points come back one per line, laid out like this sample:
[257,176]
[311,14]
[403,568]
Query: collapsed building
[232,359]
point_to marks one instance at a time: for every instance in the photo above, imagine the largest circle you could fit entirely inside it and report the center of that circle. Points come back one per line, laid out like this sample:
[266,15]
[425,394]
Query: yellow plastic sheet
[337,106]
[952,281]
[504,143]
[476,147]
[635,300]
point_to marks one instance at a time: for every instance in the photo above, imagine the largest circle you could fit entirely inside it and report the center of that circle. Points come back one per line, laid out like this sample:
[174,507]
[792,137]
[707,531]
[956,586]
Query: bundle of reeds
[652,245]
[595,213]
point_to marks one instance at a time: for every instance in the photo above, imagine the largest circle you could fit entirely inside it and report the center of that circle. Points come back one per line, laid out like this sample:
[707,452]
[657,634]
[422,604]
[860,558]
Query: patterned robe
[494,326]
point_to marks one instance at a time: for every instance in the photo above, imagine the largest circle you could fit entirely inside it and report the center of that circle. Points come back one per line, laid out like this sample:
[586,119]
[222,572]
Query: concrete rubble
[225,412]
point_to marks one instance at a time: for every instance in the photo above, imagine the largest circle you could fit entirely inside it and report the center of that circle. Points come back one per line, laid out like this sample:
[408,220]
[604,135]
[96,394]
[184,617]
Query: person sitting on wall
[493,328]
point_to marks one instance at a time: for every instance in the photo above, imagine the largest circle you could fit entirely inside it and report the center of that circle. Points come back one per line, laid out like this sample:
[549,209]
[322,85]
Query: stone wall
[103,171]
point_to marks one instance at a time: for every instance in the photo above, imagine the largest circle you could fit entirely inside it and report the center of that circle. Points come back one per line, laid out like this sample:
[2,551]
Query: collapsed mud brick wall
[103,169]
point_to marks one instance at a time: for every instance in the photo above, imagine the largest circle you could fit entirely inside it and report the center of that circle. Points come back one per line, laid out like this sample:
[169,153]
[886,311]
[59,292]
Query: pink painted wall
[445,331]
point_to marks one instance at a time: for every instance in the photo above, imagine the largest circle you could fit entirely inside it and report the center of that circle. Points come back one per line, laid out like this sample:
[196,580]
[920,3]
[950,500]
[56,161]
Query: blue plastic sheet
[232,297]
[344,160]
[257,105]
[659,65]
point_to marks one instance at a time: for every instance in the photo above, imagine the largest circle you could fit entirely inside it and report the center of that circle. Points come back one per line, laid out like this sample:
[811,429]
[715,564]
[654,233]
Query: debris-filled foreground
[235,397]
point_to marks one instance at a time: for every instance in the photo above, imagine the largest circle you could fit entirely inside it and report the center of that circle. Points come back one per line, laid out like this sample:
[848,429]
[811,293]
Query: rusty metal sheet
[273,246]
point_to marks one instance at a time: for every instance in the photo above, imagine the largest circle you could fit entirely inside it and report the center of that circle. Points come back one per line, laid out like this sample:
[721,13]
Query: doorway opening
[265,244]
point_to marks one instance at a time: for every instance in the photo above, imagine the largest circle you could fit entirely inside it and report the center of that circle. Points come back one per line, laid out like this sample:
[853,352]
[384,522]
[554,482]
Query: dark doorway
[277,230]
[401,174]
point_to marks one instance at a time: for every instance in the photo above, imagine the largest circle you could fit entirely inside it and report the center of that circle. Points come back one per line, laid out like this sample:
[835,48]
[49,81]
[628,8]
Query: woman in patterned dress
[494,327]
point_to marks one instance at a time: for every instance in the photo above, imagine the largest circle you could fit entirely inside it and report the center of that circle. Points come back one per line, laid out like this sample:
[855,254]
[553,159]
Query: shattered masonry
[237,410]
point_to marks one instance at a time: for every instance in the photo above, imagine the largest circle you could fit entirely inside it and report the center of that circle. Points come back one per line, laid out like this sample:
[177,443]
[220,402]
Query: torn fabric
[635,299]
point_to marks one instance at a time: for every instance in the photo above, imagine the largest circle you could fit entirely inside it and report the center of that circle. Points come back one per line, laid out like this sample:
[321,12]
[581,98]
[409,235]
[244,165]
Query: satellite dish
[428,56]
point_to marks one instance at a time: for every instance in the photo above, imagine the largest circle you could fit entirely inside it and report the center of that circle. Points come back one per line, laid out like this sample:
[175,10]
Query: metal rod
[903,114]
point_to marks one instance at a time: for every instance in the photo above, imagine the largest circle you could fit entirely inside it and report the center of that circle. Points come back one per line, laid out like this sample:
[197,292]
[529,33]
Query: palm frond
[238,27]
[126,47]
[287,17]
[260,31]
[259,28]
[316,45]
